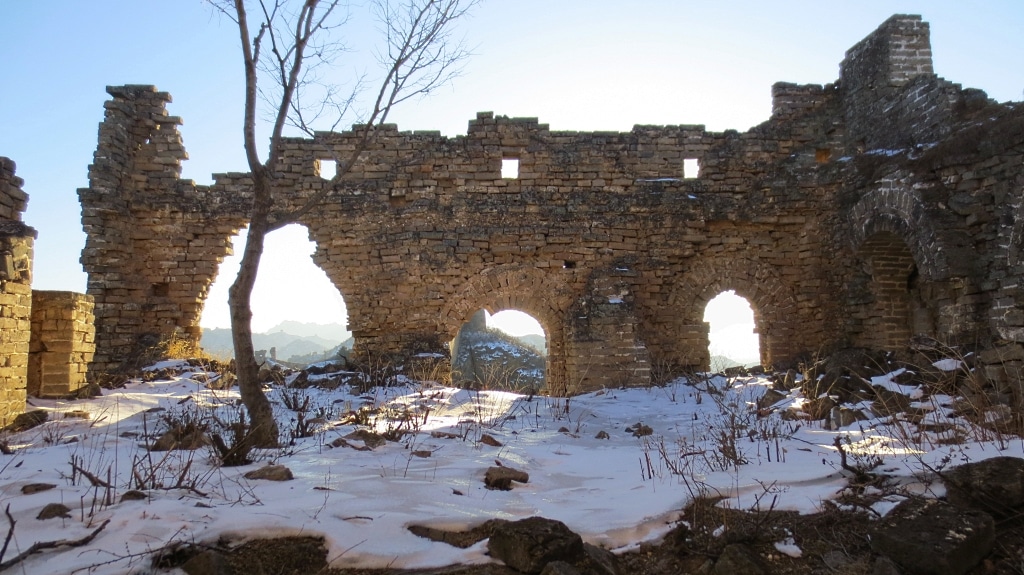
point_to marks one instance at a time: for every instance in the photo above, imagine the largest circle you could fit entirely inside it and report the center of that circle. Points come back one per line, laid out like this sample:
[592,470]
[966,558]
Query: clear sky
[574,64]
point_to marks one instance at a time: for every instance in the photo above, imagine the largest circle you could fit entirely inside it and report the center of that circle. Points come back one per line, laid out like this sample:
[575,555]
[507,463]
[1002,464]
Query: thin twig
[10,532]
[37,547]
[96,481]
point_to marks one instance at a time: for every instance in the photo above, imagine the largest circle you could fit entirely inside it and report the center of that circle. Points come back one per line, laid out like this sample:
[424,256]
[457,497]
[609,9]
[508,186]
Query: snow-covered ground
[616,490]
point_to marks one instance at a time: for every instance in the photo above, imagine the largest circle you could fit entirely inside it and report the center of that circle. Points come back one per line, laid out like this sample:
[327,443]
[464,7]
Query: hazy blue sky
[575,64]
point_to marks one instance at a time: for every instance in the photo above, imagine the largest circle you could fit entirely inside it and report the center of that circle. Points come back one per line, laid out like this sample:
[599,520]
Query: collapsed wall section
[154,241]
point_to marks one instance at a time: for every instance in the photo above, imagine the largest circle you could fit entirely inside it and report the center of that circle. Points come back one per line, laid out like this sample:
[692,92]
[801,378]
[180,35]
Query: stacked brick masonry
[62,344]
[154,241]
[838,219]
[16,242]
[599,237]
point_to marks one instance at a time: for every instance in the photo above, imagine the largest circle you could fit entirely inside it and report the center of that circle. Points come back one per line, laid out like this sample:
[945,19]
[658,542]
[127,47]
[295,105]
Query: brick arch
[910,264]
[776,316]
[513,286]
[523,288]
[893,294]
[896,209]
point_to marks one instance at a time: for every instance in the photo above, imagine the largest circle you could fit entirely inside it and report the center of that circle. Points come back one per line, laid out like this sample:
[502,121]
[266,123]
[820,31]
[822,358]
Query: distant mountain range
[305,343]
[290,338]
[310,342]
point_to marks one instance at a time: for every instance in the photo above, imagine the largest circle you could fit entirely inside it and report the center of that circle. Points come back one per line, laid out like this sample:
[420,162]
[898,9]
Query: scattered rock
[528,545]
[225,381]
[598,561]
[835,560]
[181,438]
[819,407]
[76,414]
[889,402]
[844,417]
[501,478]
[369,438]
[422,453]
[994,485]
[770,398]
[885,566]
[28,420]
[342,442]
[52,510]
[639,430]
[36,488]
[1003,353]
[283,556]
[489,440]
[602,435]
[460,539]
[785,381]
[209,562]
[931,536]
[823,385]
[738,559]
[134,495]
[559,568]
[271,473]
[735,371]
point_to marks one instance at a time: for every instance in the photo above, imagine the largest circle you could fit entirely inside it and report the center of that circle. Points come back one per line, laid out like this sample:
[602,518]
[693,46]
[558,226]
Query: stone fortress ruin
[861,213]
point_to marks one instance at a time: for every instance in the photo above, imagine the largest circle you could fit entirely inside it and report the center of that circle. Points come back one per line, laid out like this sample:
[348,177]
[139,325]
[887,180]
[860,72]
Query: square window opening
[691,168]
[510,168]
[326,169]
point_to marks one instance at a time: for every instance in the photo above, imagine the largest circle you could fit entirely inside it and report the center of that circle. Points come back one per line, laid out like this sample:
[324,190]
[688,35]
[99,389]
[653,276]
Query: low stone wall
[63,342]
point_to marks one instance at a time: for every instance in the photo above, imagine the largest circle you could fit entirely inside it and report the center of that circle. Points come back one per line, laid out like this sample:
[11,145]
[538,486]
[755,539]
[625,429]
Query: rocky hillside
[492,359]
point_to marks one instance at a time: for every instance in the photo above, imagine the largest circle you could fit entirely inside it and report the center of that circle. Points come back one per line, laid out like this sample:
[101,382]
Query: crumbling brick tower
[16,240]
[862,212]
[154,240]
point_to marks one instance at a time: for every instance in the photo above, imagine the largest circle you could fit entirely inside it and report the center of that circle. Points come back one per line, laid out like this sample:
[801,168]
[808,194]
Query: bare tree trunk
[420,57]
[263,427]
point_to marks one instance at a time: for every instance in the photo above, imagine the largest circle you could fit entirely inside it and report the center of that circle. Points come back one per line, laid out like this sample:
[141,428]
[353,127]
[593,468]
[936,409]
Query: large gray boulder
[995,485]
[529,544]
[928,536]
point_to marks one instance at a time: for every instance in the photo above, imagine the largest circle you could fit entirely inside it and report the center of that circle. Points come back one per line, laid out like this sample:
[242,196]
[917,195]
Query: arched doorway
[891,309]
[732,332]
[298,314]
[506,351]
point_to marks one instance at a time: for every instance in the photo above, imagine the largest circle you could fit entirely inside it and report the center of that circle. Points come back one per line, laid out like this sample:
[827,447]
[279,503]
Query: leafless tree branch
[43,545]
[291,43]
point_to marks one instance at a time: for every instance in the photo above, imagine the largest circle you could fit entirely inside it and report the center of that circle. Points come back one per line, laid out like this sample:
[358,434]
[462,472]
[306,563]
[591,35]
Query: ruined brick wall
[154,241]
[16,242]
[861,213]
[62,344]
